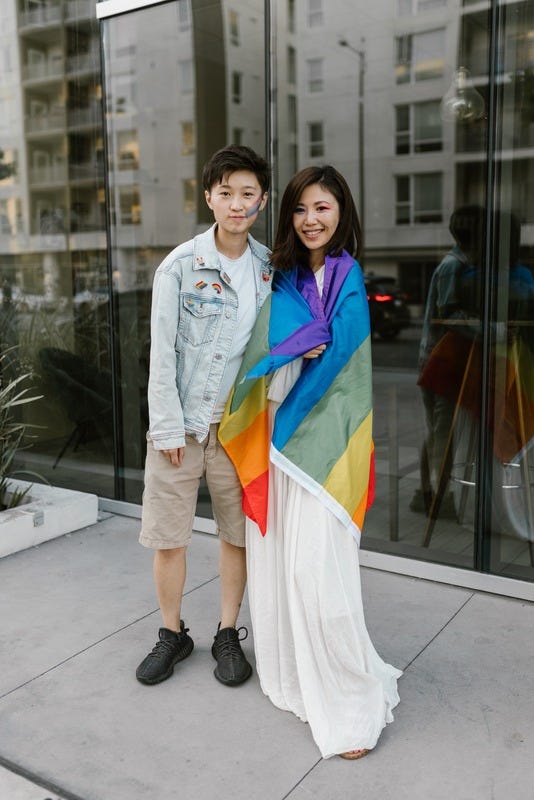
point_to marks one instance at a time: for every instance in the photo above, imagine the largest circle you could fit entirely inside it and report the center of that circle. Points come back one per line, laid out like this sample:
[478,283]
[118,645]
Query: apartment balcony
[46,123]
[89,116]
[51,14]
[84,62]
[48,69]
[86,171]
[87,223]
[80,9]
[48,175]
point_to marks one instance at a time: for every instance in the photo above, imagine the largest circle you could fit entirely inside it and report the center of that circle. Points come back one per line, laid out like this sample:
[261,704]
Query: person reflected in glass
[513,393]
[207,295]
[298,428]
[450,324]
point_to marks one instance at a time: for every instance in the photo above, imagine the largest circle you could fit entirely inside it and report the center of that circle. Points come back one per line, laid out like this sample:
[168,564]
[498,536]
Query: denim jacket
[194,315]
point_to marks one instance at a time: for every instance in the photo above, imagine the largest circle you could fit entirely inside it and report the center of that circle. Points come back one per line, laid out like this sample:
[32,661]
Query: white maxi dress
[314,656]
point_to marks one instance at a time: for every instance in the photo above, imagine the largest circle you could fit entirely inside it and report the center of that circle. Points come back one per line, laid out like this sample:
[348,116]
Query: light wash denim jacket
[194,315]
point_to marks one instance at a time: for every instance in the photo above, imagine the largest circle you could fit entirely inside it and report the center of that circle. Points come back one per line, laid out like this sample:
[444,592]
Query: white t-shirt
[241,273]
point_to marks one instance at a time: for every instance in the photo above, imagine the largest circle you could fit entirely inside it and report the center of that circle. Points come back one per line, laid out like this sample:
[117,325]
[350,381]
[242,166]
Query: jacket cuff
[165,441]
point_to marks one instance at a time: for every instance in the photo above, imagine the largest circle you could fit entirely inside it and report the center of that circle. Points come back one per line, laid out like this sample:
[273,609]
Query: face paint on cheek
[255,208]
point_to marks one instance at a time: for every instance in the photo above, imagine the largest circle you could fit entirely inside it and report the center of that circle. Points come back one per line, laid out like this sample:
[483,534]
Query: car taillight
[383,298]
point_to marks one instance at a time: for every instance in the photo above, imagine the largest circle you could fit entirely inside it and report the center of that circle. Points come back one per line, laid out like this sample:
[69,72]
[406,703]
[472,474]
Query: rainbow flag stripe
[322,435]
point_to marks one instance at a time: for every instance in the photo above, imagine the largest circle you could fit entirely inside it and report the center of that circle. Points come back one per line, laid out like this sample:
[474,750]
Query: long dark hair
[288,250]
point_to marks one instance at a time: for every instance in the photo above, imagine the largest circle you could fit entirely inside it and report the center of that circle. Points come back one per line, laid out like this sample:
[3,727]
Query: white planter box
[47,512]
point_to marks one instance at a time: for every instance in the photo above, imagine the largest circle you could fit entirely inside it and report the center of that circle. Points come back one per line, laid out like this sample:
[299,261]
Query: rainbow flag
[454,371]
[322,435]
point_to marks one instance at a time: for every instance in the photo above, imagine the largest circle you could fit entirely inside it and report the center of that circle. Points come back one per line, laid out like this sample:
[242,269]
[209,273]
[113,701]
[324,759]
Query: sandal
[352,755]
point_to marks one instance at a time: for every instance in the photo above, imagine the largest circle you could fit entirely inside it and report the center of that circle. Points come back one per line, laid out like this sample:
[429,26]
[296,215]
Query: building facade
[108,112]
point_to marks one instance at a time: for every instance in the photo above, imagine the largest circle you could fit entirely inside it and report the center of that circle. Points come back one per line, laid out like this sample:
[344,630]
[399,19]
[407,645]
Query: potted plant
[12,431]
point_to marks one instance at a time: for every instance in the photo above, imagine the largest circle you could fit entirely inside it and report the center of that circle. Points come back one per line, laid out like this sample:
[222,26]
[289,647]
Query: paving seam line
[99,641]
[38,780]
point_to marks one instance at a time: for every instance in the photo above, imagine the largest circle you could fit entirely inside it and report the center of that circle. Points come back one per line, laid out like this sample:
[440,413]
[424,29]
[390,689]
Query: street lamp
[361,85]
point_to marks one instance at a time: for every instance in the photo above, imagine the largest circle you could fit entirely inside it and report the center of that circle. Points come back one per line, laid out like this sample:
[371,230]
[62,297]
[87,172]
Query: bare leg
[169,576]
[233,570]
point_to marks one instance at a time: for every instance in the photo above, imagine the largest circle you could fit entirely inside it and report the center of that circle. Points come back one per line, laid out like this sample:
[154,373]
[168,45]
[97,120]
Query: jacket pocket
[199,318]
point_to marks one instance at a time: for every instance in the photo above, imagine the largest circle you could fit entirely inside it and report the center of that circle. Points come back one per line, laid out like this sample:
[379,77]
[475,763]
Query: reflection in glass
[511,389]
[373,110]
[53,270]
[183,79]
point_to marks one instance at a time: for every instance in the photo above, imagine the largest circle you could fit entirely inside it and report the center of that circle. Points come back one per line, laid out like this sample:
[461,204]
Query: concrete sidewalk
[80,612]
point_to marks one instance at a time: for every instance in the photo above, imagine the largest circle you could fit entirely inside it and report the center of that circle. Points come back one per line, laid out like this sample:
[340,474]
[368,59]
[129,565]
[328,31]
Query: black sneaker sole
[163,677]
[233,681]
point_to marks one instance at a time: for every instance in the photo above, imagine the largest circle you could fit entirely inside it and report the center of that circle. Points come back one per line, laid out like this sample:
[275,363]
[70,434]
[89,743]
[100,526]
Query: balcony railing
[53,173]
[49,68]
[84,62]
[90,115]
[46,15]
[46,122]
[80,9]
[86,171]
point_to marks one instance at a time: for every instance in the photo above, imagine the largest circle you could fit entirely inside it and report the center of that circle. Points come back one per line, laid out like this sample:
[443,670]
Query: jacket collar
[206,255]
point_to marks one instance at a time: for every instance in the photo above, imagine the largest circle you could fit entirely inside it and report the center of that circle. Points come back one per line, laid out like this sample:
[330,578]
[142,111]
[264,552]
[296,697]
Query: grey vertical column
[210,95]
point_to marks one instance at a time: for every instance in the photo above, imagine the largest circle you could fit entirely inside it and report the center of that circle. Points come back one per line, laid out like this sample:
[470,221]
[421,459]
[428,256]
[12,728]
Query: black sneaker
[232,666]
[171,648]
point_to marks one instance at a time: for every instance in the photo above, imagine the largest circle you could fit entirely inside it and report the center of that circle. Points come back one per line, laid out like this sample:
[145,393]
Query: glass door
[511,374]
[182,79]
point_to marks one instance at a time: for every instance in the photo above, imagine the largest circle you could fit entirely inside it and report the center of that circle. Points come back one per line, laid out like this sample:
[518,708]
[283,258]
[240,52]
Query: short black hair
[231,159]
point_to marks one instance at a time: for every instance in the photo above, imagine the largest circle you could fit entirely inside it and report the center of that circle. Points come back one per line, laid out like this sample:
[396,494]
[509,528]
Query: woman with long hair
[298,429]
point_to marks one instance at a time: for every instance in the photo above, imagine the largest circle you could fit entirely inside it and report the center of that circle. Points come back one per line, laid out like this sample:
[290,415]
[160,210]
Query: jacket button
[218,356]
[228,314]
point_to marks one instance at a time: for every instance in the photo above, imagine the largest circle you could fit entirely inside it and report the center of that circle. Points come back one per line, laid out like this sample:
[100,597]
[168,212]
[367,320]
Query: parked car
[387,306]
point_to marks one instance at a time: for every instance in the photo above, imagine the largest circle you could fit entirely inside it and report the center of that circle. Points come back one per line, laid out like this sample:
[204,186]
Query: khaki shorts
[170,495]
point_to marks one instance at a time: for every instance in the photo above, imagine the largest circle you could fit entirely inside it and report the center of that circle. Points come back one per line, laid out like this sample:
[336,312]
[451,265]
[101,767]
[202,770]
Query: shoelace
[242,628]
[164,646]
[231,647]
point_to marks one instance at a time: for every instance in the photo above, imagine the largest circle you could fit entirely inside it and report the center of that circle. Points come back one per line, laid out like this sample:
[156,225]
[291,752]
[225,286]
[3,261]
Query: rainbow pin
[217,287]
[200,285]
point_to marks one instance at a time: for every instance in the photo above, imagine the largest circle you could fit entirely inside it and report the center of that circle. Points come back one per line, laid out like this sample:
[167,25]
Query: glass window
[8,166]
[233,18]
[427,127]
[184,15]
[189,189]
[186,76]
[315,139]
[188,138]
[128,149]
[419,199]
[427,193]
[418,128]
[315,13]
[291,16]
[237,80]
[292,113]
[403,130]
[54,288]
[420,56]
[291,65]
[417,6]
[190,99]
[314,68]
[130,205]
[429,54]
